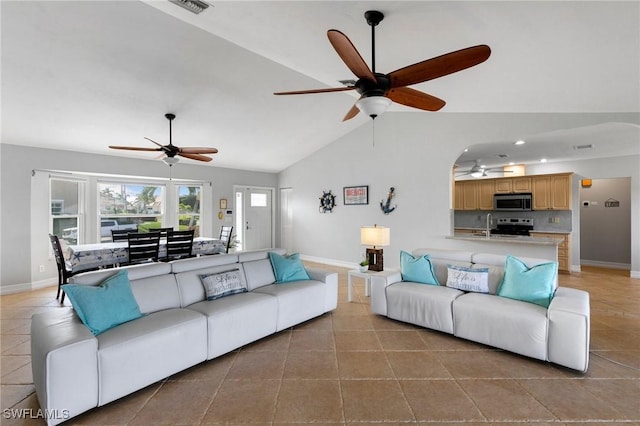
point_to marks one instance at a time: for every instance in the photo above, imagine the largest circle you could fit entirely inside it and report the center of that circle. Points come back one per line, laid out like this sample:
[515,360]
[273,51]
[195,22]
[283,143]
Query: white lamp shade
[170,160]
[373,106]
[375,236]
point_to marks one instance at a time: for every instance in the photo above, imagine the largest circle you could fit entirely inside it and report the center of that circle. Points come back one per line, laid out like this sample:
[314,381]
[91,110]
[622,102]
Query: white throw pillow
[468,279]
[223,284]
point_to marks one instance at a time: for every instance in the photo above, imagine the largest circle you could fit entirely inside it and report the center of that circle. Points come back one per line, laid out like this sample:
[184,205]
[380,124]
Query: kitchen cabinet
[504,186]
[474,195]
[486,189]
[564,249]
[551,192]
[521,184]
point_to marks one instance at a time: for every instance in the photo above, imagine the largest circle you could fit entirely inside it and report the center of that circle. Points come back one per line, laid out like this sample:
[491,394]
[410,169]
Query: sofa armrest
[569,328]
[64,363]
[331,280]
[379,284]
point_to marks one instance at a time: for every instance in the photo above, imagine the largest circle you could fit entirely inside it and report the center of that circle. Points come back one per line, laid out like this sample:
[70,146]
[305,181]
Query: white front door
[257,218]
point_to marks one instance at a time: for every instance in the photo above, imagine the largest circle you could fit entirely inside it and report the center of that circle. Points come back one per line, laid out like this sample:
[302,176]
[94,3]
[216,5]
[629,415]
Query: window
[129,206]
[64,215]
[189,207]
[258,199]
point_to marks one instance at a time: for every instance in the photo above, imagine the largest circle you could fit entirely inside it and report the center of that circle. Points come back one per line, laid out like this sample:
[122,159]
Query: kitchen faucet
[488,231]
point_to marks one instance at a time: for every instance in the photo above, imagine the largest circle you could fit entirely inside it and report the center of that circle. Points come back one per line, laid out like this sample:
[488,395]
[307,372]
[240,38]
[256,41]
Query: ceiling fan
[478,170]
[170,151]
[378,90]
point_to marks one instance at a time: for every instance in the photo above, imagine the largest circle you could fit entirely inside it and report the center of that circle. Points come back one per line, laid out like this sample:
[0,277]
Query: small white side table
[366,275]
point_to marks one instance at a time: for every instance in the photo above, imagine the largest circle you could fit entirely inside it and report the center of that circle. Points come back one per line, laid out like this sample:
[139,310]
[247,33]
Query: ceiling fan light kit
[379,90]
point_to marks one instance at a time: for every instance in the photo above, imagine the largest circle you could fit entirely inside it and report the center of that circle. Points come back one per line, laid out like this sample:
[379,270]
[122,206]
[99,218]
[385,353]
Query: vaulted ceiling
[81,75]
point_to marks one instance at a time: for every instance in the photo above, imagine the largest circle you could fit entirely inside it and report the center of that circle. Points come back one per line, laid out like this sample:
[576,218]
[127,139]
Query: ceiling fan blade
[415,98]
[133,148]
[197,150]
[349,55]
[195,156]
[440,66]
[151,140]
[306,92]
[352,113]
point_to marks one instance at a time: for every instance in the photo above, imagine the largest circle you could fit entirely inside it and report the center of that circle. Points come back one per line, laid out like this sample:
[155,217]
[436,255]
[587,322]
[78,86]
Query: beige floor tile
[19,376]
[177,402]
[311,365]
[364,365]
[243,402]
[383,323]
[417,365]
[569,400]
[15,326]
[13,394]
[10,363]
[323,322]
[312,340]
[505,400]
[440,401]
[375,401]
[406,340]
[258,365]
[215,369]
[364,340]
[621,394]
[309,401]
[471,364]
[278,342]
[352,322]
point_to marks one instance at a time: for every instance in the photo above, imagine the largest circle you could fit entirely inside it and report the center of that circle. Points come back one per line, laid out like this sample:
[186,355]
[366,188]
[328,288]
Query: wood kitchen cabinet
[521,184]
[551,192]
[564,249]
[504,186]
[486,189]
[474,195]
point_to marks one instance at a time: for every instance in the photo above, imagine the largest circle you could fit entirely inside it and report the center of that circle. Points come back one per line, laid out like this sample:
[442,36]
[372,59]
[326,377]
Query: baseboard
[635,274]
[575,268]
[20,288]
[332,262]
[610,265]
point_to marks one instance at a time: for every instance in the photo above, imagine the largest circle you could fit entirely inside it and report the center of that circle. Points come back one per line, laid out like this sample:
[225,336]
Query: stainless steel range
[513,226]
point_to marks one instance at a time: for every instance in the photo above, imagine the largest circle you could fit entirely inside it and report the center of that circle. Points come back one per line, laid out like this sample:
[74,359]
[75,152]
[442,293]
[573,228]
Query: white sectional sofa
[74,371]
[559,333]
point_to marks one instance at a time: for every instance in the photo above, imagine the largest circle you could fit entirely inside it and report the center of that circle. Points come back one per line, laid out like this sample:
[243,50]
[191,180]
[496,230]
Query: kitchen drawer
[563,252]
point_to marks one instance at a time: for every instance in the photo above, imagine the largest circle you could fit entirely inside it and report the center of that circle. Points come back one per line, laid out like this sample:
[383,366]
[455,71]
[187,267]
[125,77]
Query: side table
[366,275]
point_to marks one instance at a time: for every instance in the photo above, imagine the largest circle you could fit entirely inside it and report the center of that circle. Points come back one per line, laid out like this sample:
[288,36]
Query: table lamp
[376,236]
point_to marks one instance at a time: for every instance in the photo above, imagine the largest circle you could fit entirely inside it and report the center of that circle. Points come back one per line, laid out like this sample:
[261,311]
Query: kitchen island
[516,245]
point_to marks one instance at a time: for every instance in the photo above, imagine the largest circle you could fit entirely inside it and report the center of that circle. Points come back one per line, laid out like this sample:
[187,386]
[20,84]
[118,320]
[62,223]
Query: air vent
[194,6]
[587,146]
[502,155]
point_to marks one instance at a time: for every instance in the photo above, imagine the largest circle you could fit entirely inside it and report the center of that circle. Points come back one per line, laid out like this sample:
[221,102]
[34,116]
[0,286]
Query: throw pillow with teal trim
[417,269]
[534,285]
[288,268]
[106,305]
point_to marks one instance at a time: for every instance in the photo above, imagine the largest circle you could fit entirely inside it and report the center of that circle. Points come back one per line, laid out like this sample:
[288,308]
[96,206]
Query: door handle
[248,227]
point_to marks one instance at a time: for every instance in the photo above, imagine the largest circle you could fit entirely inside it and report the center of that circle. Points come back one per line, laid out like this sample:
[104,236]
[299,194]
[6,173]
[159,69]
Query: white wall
[414,152]
[24,247]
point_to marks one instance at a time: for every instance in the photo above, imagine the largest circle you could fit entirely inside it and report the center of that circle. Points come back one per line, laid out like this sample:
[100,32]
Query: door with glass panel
[254,217]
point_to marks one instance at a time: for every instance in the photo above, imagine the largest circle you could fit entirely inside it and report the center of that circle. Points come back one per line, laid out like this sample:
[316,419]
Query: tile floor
[350,366]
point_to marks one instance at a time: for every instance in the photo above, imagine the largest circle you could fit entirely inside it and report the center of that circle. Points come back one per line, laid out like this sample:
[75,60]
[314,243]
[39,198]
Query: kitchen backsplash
[543,220]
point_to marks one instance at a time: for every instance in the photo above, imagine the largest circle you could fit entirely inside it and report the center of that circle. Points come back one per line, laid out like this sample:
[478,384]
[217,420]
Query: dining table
[82,257]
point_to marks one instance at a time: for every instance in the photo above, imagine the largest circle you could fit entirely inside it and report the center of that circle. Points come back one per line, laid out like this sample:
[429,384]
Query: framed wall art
[356,195]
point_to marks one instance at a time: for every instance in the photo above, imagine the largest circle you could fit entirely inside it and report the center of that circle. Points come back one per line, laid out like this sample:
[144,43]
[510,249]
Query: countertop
[515,239]
[553,231]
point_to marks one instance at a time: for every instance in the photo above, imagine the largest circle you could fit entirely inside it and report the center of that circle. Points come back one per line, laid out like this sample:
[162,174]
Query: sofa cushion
[224,283]
[533,285]
[288,268]
[258,273]
[468,279]
[106,305]
[417,269]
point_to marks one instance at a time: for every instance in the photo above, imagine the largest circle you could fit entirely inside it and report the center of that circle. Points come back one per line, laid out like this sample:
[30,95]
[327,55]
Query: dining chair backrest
[143,247]
[63,272]
[225,235]
[163,231]
[120,234]
[179,244]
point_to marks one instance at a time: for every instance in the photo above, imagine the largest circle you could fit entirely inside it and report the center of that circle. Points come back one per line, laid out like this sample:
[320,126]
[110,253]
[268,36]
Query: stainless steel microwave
[512,202]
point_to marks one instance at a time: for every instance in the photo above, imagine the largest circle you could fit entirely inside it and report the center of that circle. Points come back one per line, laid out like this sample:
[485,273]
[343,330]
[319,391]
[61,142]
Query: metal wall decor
[386,206]
[327,202]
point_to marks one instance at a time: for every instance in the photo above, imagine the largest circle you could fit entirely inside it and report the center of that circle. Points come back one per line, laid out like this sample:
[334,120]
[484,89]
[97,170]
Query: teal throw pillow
[534,285]
[106,305]
[417,269]
[288,268]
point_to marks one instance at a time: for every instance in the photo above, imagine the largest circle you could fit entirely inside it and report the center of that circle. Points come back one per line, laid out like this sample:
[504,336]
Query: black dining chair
[179,244]
[163,231]
[64,270]
[120,234]
[144,247]
[226,236]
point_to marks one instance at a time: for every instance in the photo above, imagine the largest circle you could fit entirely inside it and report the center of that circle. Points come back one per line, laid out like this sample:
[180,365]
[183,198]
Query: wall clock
[327,202]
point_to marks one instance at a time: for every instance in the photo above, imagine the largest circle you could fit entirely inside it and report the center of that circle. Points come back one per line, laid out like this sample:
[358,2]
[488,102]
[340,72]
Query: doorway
[254,217]
[605,223]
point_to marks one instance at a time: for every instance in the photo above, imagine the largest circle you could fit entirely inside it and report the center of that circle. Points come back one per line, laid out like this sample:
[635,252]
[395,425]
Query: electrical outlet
[41,268]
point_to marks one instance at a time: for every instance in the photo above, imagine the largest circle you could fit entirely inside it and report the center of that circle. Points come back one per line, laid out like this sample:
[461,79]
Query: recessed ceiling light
[543,160]
[512,163]
[520,142]
[466,150]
